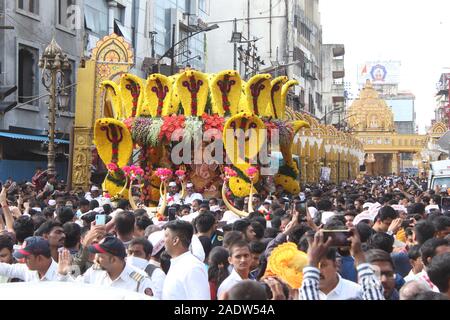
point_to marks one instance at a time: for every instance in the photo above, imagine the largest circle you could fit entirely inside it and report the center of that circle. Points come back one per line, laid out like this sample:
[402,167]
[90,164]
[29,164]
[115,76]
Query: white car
[47,290]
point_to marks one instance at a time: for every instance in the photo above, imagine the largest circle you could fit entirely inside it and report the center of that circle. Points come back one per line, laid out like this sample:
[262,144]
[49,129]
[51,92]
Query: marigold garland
[287,262]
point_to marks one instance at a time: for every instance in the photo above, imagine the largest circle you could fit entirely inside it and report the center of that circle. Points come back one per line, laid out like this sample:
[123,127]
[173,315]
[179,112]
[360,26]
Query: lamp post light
[53,64]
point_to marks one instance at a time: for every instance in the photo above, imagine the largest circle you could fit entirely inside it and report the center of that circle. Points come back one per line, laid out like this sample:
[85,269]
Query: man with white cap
[191,194]
[96,195]
[173,197]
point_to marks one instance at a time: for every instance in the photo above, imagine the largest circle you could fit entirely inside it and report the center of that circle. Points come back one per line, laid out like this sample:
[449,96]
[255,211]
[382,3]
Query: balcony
[442,89]
[338,69]
[338,92]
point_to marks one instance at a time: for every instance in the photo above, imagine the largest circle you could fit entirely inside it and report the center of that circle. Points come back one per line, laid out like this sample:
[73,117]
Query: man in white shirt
[240,258]
[110,269]
[39,265]
[332,286]
[139,254]
[191,194]
[187,278]
[173,197]
[95,195]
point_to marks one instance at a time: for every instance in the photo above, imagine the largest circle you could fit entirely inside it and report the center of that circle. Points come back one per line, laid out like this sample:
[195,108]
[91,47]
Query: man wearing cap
[95,195]
[110,268]
[39,265]
[173,197]
[191,194]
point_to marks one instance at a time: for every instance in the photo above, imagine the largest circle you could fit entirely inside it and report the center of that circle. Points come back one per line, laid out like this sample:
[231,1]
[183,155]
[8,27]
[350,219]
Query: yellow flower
[226,91]
[287,262]
[289,185]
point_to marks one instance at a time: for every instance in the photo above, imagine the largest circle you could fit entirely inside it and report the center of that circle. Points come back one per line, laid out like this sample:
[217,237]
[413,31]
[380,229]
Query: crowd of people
[397,244]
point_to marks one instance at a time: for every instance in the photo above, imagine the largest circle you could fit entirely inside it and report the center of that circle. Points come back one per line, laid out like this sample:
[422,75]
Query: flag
[364,70]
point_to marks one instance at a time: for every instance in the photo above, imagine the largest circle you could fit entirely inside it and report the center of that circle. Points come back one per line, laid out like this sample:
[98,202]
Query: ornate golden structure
[373,124]
[111,57]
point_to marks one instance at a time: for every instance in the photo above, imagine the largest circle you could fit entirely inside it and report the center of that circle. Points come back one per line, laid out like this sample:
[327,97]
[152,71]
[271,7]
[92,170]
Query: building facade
[385,79]
[387,150]
[404,109]
[126,18]
[23,130]
[441,110]
[334,95]
[277,37]
[185,17]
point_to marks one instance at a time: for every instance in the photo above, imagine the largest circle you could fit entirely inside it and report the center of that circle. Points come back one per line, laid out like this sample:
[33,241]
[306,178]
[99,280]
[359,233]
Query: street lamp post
[53,64]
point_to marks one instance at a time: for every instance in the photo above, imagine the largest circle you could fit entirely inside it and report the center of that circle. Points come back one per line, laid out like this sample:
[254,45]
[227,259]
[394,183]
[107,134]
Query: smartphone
[286,206]
[172,214]
[339,238]
[100,220]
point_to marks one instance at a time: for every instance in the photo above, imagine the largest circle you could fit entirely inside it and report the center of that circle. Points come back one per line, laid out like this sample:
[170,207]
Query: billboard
[403,109]
[379,72]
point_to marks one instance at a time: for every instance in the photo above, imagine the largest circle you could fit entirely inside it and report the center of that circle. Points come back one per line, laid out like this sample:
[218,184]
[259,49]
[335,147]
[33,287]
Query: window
[31,6]
[319,101]
[64,12]
[28,73]
[96,20]
[119,14]
[203,5]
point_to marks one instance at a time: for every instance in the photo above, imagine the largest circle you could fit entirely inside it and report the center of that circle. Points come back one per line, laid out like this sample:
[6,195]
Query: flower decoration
[133,172]
[181,174]
[170,125]
[163,173]
[129,123]
[112,167]
[251,172]
[140,130]
[287,262]
[213,122]
[213,125]
[107,196]
[229,173]
[127,170]
[192,127]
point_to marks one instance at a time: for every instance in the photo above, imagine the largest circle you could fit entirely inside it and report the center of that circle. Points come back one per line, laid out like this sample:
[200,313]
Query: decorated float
[154,117]
[141,129]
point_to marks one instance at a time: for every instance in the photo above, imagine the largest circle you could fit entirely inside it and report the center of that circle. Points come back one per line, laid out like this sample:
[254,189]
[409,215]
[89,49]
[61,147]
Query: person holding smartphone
[321,280]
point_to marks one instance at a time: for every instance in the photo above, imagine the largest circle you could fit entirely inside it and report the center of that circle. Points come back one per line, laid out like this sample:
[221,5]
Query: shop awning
[18,136]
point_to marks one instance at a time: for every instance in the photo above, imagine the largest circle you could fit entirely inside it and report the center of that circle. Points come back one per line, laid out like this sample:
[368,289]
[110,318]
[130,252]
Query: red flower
[170,125]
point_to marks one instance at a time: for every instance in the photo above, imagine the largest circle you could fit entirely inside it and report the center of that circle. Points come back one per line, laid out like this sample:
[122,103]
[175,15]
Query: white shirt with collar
[187,279]
[21,271]
[233,279]
[344,290]
[127,279]
[190,198]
